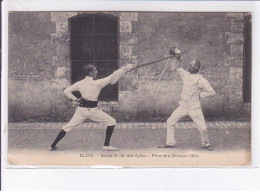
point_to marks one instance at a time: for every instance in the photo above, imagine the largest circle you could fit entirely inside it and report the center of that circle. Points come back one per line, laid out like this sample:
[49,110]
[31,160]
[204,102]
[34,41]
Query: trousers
[94,114]
[196,115]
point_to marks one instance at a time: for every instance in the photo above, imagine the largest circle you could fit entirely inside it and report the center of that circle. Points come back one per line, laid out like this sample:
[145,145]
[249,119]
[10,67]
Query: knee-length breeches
[93,114]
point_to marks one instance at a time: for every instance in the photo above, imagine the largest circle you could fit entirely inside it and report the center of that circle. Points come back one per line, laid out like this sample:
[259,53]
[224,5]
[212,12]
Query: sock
[109,133]
[61,134]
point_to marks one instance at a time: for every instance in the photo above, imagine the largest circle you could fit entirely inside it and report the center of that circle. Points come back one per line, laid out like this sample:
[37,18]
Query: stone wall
[235,62]
[39,63]
[30,67]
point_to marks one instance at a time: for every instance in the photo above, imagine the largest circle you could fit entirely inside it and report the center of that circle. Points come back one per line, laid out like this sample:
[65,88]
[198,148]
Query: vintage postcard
[129,88]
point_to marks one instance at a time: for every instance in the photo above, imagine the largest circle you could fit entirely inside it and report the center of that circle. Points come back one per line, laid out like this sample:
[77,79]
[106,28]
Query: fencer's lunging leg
[61,134]
[171,122]
[198,118]
[204,137]
[78,117]
[102,117]
[109,133]
[170,134]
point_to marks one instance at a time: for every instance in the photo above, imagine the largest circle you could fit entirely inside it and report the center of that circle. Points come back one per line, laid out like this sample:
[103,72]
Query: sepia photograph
[130,89]
[136,95]
[142,88]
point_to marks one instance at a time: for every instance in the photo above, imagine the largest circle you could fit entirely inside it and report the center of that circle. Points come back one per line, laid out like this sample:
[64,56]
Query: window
[94,39]
[247,60]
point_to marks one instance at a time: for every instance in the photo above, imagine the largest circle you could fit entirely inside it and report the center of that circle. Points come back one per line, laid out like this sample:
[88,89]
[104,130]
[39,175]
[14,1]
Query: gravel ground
[137,147]
[128,139]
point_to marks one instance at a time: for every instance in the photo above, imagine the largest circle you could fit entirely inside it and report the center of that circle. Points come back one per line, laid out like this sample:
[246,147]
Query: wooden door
[94,39]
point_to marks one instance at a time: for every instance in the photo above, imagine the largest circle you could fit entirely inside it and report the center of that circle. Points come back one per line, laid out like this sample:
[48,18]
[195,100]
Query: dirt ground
[137,147]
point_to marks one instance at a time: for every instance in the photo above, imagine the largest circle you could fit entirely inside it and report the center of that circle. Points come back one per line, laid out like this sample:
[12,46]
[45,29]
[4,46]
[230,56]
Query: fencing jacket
[195,87]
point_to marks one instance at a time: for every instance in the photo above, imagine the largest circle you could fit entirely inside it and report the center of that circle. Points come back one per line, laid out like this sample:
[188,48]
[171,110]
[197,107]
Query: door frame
[118,41]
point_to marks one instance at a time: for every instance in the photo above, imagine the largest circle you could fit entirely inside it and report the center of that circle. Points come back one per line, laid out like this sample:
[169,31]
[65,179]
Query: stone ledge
[61,72]
[235,83]
[237,49]
[63,50]
[62,27]
[128,38]
[236,96]
[234,62]
[125,27]
[235,38]
[129,16]
[126,50]
[235,72]
[59,61]
[61,16]
[235,16]
[237,27]
[54,61]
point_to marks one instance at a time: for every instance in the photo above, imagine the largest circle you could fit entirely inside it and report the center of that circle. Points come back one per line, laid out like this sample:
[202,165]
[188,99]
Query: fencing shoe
[166,146]
[109,148]
[208,147]
[52,148]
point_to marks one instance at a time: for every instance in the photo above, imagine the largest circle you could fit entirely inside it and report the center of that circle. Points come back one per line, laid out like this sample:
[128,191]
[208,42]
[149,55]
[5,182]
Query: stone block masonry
[129,125]
[40,69]
[235,61]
